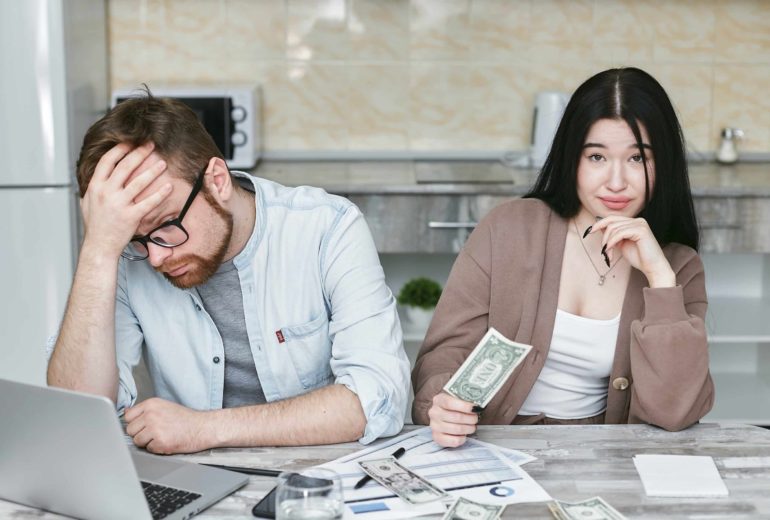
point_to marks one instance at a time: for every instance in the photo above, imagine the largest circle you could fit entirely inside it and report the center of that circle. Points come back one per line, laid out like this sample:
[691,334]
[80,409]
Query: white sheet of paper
[679,476]
[491,474]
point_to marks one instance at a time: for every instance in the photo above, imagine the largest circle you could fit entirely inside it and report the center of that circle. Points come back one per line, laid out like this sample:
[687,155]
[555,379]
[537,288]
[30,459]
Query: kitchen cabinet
[440,223]
[423,223]
[734,224]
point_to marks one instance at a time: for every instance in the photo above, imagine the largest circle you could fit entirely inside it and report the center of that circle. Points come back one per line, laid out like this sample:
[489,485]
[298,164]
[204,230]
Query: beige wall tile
[194,36]
[499,99]
[308,107]
[564,76]
[623,30]
[561,30]
[742,32]
[378,107]
[440,29]
[256,30]
[317,30]
[276,97]
[136,47]
[379,30]
[685,31]
[438,103]
[740,100]
[689,88]
[447,74]
[500,30]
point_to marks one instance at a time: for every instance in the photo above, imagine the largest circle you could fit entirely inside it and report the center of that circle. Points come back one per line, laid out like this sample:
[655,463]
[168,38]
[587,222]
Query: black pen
[248,471]
[396,454]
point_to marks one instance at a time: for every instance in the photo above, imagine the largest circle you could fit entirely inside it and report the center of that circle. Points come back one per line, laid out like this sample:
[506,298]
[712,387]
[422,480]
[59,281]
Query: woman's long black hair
[631,95]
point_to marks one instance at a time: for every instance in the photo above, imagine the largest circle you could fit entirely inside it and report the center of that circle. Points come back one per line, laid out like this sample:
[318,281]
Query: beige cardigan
[507,277]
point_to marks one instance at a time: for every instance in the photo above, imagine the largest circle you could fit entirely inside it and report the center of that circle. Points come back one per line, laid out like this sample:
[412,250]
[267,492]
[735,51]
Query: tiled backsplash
[447,75]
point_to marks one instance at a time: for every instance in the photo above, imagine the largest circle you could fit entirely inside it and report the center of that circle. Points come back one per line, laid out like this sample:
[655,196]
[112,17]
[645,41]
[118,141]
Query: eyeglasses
[168,234]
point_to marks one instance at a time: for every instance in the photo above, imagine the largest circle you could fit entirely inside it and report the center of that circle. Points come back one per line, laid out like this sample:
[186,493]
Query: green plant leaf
[420,292]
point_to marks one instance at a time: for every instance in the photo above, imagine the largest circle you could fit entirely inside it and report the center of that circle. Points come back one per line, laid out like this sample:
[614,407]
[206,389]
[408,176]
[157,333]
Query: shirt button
[216,359]
[620,383]
[197,307]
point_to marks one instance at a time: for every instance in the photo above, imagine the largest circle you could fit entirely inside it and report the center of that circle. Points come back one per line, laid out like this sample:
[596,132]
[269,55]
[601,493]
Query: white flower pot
[418,318]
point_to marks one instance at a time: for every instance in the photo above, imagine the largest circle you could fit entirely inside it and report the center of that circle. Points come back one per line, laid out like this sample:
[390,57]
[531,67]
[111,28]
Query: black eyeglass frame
[176,222]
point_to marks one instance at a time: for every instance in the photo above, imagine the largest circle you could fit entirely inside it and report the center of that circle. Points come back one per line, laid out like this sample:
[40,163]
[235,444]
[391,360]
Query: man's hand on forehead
[119,196]
[148,162]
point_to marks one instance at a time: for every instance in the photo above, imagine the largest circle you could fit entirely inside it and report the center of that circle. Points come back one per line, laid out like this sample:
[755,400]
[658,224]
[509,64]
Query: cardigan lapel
[537,321]
[618,400]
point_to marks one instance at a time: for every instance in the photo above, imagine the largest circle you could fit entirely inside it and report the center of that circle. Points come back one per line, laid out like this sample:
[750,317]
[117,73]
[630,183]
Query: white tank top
[573,382]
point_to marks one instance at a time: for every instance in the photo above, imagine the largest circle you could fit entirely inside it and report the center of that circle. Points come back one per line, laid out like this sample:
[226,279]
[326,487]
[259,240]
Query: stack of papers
[679,476]
[477,470]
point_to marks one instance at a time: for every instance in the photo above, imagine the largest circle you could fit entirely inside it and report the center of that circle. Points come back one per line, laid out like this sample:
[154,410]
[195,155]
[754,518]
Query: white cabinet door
[36,268]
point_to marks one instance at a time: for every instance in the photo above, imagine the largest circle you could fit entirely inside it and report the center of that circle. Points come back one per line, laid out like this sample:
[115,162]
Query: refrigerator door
[36,265]
[33,104]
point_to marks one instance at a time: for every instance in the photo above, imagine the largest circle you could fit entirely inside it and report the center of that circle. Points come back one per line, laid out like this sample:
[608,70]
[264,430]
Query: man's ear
[217,180]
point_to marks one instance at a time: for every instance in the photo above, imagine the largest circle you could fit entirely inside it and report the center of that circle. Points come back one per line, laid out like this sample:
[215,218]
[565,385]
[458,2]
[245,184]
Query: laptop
[65,452]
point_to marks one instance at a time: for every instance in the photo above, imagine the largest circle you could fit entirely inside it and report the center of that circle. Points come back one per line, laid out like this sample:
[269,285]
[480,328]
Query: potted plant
[419,297]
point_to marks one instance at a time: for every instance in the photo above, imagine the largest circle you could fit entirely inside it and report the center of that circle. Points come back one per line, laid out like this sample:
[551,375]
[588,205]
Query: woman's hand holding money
[451,420]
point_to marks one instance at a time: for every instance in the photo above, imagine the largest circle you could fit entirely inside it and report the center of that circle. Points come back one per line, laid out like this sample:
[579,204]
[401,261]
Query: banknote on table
[487,368]
[403,482]
[464,509]
[592,509]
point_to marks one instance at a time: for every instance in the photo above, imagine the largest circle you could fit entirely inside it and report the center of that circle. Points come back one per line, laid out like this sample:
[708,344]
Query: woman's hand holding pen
[451,420]
[634,239]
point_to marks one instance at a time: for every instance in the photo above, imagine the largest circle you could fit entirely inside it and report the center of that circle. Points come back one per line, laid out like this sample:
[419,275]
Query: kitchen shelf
[729,320]
[741,397]
[414,336]
[738,320]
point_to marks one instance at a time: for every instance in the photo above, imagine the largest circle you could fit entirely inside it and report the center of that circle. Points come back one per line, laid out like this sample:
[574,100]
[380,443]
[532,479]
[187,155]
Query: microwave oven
[232,116]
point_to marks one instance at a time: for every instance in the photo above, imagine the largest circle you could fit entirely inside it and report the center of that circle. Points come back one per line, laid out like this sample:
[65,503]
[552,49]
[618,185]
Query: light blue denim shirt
[317,312]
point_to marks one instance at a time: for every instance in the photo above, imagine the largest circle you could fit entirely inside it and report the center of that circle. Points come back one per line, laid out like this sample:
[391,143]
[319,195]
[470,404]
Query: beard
[201,268]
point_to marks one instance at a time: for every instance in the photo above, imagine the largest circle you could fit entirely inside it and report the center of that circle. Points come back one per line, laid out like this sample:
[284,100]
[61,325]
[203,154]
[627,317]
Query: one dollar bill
[408,485]
[464,509]
[487,368]
[592,509]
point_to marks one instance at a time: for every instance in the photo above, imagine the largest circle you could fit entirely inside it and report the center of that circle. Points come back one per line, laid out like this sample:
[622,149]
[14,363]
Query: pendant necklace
[602,277]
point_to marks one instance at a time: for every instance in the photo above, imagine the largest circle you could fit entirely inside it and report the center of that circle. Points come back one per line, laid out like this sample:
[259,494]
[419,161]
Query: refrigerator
[53,85]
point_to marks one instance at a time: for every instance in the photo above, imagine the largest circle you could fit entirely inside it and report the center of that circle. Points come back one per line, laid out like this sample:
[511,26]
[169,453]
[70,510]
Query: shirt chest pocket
[310,349]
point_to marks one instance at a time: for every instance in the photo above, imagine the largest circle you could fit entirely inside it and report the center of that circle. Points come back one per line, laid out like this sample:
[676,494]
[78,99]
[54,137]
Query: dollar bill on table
[592,509]
[408,485]
[464,509]
[487,368]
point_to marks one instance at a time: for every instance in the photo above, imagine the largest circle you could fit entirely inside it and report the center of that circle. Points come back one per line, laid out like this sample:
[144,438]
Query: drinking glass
[310,494]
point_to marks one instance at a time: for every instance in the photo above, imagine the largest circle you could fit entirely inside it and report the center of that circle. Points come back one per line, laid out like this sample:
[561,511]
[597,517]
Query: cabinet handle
[452,225]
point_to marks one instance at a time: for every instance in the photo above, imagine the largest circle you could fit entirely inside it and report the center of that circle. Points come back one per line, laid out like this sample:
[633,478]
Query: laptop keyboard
[165,500]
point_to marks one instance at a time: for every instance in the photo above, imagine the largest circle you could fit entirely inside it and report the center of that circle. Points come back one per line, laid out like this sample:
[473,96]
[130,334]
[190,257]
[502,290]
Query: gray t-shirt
[221,296]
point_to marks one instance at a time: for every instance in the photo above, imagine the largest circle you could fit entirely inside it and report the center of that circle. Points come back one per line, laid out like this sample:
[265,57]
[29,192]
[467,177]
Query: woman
[597,269]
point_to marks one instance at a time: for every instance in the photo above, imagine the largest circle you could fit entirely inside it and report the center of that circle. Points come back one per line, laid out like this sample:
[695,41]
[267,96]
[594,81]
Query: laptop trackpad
[153,467]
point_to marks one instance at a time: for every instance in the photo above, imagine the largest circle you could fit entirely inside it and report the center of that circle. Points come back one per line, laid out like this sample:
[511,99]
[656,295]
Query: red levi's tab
[279,335]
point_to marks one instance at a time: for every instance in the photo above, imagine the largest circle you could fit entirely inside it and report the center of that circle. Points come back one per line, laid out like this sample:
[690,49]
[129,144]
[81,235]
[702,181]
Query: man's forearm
[329,415]
[84,356]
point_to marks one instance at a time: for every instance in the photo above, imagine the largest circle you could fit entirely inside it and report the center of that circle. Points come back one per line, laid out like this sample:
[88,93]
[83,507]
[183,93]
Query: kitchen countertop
[481,177]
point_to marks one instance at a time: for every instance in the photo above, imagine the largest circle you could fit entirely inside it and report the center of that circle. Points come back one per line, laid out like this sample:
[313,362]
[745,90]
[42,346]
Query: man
[261,310]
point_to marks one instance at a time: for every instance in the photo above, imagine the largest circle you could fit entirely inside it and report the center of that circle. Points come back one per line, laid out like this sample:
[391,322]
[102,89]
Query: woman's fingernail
[477,409]
[604,248]
[606,259]
[588,230]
